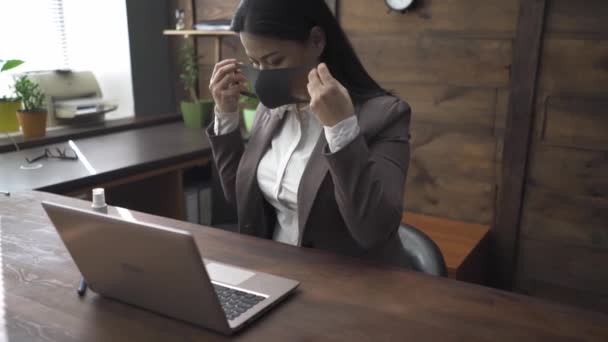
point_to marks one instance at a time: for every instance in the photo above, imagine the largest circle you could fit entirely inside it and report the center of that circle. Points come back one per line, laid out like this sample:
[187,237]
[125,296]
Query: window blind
[70,34]
[34,31]
[58,20]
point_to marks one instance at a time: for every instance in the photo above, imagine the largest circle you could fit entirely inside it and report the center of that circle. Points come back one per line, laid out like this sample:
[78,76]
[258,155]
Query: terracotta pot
[33,124]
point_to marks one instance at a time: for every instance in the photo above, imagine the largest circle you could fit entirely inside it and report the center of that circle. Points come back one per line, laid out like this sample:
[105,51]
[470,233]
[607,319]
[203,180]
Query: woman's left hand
[330,101]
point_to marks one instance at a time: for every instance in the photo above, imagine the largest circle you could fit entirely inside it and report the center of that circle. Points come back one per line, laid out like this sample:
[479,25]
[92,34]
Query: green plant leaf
[11,64]
[190,69]
[29,93]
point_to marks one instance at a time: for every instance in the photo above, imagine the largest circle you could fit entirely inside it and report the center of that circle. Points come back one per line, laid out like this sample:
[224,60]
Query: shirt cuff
[342,134]
[225,123]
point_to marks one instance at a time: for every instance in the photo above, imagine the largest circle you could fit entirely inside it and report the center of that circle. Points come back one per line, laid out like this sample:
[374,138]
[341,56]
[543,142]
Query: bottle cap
[99,198]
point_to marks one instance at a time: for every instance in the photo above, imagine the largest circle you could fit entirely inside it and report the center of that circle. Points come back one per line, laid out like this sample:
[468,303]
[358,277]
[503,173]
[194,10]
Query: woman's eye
[276,62]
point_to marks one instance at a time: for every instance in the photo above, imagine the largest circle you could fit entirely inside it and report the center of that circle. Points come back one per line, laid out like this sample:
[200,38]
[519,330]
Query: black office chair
[423,253]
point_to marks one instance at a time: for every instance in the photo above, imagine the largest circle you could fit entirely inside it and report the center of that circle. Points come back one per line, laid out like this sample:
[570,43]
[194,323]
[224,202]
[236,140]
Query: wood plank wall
[451,61]
[563,245]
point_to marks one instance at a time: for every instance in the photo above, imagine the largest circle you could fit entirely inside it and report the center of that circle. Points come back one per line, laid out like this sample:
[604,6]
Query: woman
[327,160]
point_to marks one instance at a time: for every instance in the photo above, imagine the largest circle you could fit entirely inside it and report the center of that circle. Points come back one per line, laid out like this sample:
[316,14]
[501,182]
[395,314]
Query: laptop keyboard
[235,302]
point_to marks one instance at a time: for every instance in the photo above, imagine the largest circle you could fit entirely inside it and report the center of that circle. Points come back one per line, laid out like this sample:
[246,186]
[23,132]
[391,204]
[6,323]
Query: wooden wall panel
[502,108]
[570,220]
[576,122]
[490,18]
[574,67]
[451,61]
[564,231]
[436,59]
[565,266]
[215,9]
[584,170]
[464,109]
[451,174]
[583,18]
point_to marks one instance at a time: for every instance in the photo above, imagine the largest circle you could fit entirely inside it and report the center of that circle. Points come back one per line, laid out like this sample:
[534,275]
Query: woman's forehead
[258,46]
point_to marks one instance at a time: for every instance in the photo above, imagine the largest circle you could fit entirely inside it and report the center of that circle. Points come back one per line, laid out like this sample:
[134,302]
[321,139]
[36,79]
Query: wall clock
[399,5]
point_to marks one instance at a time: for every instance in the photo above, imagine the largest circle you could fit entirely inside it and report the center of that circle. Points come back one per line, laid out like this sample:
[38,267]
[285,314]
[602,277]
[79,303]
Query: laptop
[160,269]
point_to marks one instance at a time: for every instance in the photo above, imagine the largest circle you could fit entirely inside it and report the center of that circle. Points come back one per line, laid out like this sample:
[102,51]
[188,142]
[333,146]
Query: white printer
[72,96]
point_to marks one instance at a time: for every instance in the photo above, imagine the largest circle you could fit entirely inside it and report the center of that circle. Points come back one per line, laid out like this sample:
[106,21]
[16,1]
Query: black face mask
[274,87]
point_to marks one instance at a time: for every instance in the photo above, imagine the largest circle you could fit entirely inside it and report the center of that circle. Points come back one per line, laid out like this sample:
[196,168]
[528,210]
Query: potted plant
[195,111]
[32,117]
[249,105]
[9,105]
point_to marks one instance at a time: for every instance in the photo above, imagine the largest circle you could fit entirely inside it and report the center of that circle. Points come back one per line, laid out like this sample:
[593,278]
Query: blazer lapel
[260,140]
[246,183]
[311,181]
[314,174]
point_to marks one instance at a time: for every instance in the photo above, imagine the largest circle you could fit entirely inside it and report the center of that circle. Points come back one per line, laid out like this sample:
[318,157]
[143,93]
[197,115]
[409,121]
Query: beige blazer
[349,202]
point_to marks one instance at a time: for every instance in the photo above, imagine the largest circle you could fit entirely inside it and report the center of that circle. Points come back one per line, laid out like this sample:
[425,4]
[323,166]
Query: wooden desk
[140,168]
[85,130]
[464,245]
[109,157]
[340,299]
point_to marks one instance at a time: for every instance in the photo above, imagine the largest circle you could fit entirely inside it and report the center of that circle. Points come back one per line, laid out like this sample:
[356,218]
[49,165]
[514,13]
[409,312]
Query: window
[75,34]
[34,31]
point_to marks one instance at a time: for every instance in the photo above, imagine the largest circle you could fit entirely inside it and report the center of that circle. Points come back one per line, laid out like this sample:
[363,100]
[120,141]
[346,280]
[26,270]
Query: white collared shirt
[281,168]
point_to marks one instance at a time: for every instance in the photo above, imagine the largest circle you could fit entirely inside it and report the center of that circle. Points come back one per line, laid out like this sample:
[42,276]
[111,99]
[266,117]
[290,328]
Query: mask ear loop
[249,94]
[305,70]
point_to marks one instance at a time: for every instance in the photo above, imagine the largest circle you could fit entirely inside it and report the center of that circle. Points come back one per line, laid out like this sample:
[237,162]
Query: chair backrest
[424,254]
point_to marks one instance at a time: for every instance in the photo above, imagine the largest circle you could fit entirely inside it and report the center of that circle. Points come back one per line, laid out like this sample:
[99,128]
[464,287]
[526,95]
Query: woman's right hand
[226,85]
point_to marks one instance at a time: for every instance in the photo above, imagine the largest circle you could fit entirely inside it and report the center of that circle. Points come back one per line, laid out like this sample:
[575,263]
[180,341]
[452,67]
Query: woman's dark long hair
[294,20]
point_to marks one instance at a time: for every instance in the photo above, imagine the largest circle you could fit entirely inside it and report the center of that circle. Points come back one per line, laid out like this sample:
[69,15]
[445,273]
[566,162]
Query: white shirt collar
[280,111]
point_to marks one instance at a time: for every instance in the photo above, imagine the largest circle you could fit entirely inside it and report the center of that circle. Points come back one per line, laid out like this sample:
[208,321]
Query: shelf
[198,33]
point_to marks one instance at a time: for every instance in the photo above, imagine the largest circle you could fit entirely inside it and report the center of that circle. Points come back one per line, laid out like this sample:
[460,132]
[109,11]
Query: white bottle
[99,201]
[99,205]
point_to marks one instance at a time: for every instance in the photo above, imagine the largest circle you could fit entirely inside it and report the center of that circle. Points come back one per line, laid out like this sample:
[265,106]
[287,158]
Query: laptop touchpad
[227,274]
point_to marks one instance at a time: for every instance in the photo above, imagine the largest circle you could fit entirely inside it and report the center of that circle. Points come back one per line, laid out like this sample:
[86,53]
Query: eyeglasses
[65,154]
